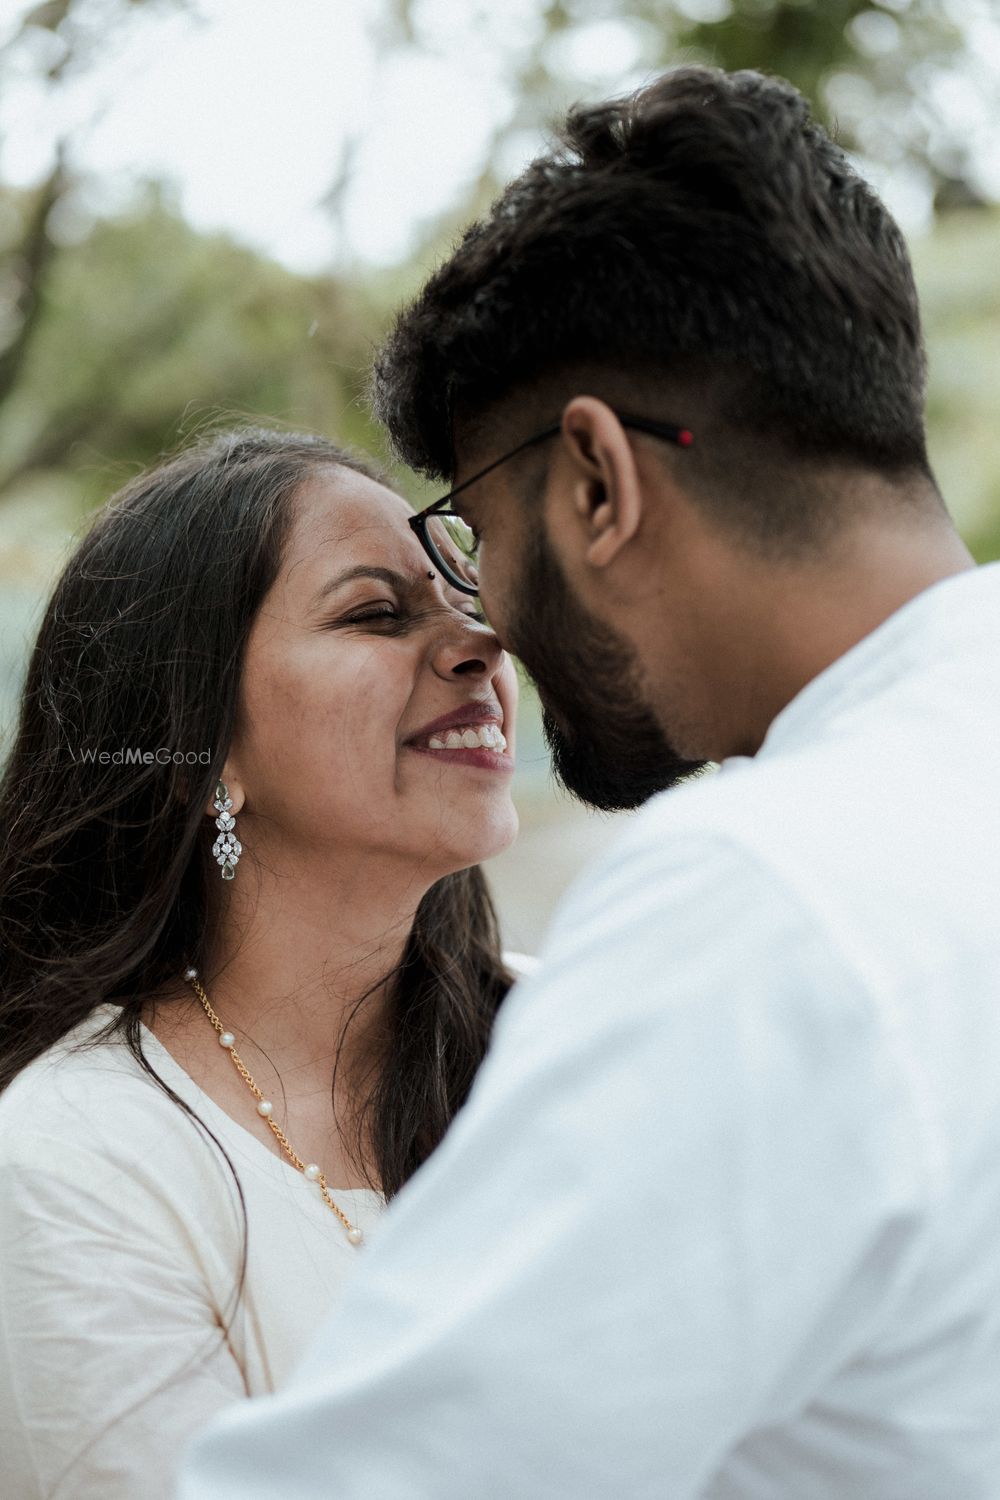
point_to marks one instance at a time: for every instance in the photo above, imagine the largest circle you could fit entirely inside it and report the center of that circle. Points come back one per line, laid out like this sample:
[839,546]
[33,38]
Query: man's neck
[766,631]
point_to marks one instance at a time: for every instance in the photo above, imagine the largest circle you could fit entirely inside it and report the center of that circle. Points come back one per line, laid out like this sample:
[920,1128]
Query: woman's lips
[467,718]
[480,756]
[486,736]
[472,736]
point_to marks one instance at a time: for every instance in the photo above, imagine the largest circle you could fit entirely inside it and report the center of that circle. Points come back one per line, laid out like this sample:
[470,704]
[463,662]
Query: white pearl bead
[265,1107]
[226,1039]
[355,1236]
[312,1172]
[190,973]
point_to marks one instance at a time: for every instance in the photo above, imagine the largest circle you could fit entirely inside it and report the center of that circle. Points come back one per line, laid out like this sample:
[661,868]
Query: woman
[261,749]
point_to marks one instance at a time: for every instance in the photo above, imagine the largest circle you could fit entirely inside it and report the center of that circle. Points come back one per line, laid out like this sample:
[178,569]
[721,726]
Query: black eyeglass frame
[669,431]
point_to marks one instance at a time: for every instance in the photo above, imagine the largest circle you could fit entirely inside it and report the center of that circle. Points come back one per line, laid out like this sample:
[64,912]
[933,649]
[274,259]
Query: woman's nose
[469,650]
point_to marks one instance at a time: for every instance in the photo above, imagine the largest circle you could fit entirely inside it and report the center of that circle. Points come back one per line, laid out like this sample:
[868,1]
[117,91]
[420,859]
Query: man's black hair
[707,248]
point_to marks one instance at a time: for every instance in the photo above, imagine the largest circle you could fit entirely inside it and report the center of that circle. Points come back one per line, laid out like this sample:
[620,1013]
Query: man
[720,1217]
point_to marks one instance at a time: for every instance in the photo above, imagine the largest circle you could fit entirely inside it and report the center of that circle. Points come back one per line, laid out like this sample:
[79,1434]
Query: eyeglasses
[452,545]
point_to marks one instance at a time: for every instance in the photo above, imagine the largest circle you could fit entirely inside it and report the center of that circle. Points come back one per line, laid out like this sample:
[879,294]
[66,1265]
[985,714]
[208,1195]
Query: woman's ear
[606,491]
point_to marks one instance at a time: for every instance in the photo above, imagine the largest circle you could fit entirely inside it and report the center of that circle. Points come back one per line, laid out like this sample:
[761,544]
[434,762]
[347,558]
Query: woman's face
[375,702]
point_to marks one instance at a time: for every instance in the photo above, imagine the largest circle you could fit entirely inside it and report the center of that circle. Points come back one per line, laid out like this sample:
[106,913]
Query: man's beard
[607,746]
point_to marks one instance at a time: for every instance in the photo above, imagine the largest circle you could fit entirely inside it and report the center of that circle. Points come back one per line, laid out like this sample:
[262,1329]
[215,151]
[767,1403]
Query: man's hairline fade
[697,471]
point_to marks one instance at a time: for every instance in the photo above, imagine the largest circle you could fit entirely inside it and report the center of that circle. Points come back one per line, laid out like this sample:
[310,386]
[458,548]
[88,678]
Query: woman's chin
[488,838]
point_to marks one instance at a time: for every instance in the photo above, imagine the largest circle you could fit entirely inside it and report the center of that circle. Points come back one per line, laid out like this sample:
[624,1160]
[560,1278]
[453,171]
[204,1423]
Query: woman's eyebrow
[361,570]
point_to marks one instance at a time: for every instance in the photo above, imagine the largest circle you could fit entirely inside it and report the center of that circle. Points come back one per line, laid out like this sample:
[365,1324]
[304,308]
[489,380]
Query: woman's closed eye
[390,614]
[372,612]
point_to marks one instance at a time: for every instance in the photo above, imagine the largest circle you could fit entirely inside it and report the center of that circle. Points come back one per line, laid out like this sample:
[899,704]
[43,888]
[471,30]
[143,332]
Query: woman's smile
[471,735]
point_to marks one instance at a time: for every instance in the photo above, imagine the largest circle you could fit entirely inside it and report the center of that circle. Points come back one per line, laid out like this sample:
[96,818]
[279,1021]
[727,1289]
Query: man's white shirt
[721,1218]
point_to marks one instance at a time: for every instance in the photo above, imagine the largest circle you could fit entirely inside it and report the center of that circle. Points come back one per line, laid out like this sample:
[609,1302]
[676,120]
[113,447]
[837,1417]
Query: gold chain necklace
[310,1171]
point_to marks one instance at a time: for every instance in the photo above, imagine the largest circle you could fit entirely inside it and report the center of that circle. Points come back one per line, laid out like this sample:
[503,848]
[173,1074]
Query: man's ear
[606,493]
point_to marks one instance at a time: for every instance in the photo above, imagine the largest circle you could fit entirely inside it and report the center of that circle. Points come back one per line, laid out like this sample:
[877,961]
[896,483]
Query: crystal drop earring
[227,847]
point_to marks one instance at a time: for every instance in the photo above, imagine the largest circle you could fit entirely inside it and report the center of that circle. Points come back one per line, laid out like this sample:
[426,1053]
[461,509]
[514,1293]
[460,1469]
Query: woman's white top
[121,1237]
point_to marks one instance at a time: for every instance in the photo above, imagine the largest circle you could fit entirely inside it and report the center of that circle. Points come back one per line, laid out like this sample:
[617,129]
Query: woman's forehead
[346,517]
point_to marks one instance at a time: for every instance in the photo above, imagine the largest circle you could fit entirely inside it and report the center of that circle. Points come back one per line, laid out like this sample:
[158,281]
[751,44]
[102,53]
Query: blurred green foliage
[869,67]
[145,328]
[121,337]
[958,273]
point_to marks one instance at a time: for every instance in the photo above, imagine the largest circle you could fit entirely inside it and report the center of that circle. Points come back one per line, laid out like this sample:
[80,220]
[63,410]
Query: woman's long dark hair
[104,868]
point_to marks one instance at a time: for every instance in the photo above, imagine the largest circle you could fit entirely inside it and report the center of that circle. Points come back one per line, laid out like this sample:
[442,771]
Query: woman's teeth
[483,737]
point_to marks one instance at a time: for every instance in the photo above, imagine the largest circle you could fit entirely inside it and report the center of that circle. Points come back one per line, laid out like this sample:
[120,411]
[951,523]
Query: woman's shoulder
[88,1095]
[78,1060]
[87,1134]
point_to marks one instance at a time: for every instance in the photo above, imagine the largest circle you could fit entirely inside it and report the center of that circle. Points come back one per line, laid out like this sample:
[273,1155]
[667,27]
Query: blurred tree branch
[25,271]
[72,33]
[148,327]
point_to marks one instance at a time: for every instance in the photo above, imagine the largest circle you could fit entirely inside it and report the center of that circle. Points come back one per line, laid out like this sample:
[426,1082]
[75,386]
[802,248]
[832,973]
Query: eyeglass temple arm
[668,430]
[682,436]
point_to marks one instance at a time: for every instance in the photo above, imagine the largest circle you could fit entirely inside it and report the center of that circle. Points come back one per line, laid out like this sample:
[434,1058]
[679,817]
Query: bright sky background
[247,105]
[248,109]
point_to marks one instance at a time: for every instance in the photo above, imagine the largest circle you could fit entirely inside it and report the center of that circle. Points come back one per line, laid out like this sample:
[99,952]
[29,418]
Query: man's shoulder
[741,807]
[826,856]
[860,793]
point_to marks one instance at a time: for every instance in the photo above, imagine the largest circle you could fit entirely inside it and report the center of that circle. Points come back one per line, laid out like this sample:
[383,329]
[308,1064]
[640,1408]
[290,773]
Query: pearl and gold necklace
[310,1171]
